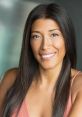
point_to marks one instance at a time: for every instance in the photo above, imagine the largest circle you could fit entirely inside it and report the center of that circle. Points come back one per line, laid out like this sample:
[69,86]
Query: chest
[39,104]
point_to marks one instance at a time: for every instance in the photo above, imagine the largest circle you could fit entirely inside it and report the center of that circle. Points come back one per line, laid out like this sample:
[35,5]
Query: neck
[49,77]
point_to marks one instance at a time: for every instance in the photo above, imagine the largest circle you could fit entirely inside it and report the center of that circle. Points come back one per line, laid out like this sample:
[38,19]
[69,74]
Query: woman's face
[47,43]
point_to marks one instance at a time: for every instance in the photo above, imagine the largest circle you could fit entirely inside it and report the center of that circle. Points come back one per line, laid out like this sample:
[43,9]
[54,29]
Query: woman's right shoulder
[7,81]
[9,77]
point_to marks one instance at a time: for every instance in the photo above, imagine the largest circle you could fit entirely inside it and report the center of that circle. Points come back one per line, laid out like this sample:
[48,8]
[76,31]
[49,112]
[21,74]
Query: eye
[53,35]
[35,36]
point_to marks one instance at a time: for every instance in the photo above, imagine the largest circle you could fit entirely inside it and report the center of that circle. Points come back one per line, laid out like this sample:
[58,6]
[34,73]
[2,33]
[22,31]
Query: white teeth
[47,56]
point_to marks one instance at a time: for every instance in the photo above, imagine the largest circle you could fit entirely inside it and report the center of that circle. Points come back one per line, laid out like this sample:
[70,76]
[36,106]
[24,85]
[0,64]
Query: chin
[47,67]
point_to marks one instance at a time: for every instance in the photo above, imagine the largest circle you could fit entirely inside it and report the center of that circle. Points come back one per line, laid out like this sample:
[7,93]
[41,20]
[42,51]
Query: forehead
[44,24]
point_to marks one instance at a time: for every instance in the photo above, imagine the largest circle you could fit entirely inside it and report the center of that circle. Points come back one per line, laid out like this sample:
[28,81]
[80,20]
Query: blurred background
[13,14]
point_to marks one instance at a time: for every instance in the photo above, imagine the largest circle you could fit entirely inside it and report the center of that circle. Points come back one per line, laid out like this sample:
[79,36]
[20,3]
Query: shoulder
[76,87]
[7,81]
[9,77]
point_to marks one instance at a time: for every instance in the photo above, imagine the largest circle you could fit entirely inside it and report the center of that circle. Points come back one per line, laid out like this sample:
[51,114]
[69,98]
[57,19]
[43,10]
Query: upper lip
[47,53]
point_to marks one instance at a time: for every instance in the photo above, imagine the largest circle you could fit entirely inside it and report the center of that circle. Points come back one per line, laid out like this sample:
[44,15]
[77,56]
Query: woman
[46,83]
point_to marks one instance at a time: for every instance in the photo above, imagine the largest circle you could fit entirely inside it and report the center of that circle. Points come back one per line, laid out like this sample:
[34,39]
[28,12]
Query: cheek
[62,50]
[35,47]
[60,46]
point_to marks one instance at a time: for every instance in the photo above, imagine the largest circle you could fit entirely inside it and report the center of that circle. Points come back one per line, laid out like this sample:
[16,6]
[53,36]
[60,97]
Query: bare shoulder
[77,83]
[7,81]
[9,77]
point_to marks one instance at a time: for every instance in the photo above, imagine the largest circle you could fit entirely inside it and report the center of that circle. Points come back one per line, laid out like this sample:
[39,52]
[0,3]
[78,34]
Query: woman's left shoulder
[76,78]
[76,74]
[76,87]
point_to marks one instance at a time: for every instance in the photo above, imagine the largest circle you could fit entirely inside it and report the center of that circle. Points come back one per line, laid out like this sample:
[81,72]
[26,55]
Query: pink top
[24,111]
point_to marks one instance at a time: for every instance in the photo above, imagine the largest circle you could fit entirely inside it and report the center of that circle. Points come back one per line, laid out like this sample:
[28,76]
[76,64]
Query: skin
[40,94]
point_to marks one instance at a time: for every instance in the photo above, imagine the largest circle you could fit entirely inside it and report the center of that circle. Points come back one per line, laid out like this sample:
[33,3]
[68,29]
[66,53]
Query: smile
[47,56]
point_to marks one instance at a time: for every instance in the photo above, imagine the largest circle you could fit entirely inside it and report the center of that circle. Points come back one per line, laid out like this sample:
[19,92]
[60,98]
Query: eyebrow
[49,30]
[35,32]
[54,29]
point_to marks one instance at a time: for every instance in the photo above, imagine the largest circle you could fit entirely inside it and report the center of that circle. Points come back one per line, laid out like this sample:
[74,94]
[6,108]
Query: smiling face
[47,43]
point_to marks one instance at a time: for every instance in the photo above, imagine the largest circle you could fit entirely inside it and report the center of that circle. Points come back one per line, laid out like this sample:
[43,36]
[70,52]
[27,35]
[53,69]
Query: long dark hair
[28,65]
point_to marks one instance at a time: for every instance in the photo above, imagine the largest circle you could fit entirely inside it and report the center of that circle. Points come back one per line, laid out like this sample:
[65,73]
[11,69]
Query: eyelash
[54,34]
[35,36]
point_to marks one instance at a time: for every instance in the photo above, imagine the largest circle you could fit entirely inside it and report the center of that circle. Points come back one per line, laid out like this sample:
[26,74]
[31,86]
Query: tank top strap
[69,103]
[74,77]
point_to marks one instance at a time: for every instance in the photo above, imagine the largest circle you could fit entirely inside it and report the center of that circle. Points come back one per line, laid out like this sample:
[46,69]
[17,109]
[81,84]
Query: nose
[46,42]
